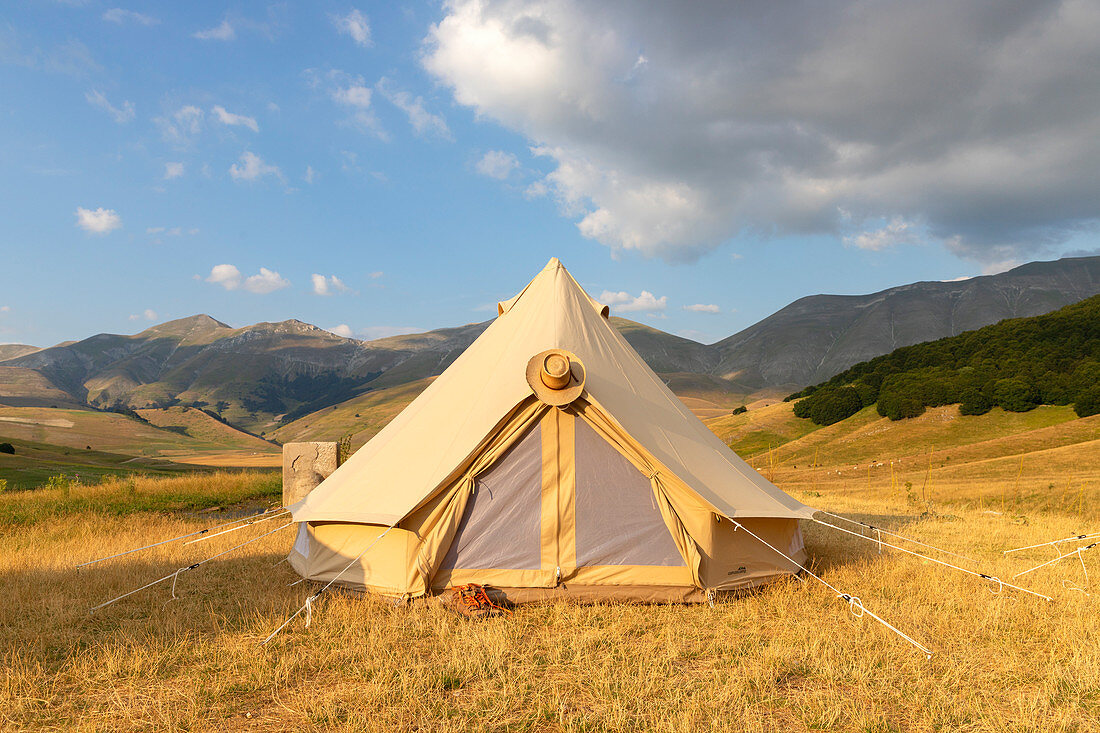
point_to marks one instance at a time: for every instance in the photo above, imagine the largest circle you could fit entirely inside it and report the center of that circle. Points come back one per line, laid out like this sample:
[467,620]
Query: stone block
[305,465]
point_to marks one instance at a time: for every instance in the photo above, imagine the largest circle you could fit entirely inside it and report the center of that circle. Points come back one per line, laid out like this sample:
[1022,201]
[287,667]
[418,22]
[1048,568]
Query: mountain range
[264,375]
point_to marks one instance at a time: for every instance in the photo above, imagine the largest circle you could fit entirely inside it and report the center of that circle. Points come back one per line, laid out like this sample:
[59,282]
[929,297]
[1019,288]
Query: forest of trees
[1017,365]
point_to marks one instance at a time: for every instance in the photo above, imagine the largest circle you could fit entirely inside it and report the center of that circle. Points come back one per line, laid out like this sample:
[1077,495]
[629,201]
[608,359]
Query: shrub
[1015,395]
[899,407]
[828,406]
[60,481]
[975,402]
[7,448]
[736,411]
[1088,402]
[868,394]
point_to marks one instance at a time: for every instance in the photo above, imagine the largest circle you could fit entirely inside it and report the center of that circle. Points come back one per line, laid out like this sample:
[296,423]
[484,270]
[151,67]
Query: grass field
[91,445]
[786,657]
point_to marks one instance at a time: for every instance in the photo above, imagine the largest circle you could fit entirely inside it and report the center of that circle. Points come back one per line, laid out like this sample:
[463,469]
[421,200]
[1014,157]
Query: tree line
[1016,364]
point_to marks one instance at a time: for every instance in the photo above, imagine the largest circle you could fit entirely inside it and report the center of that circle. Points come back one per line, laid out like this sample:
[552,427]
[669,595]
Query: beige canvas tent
[548,460]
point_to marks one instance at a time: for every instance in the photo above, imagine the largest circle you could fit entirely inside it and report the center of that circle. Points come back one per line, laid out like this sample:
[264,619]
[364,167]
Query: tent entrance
[562,505]
[618,521]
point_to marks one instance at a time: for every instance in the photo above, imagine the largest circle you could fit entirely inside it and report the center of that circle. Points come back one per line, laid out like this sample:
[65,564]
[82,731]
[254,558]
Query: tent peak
[553,266]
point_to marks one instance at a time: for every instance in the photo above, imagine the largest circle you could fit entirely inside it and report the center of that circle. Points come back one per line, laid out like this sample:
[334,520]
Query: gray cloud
[672,127]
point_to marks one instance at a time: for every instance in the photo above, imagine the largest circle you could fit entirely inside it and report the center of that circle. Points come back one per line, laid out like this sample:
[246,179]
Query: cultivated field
[787,657]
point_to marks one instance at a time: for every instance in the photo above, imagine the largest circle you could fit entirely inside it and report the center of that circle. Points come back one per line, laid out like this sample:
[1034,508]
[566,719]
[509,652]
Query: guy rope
[308,605]
[1071,553]
[1053,543]
[855,605]
[184,536]
[175,575]
[881,531]
[995,580]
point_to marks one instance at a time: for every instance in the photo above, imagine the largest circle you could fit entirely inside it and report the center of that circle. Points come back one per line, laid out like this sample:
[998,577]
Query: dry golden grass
[787,657]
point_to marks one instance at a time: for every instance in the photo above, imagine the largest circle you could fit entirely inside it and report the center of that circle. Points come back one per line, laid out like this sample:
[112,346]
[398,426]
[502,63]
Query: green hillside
[360,417]
[35,462]
[1017,365]
[49,441]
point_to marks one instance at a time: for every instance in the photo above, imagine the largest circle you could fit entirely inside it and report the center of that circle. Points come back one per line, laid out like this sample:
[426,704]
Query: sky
[383,168]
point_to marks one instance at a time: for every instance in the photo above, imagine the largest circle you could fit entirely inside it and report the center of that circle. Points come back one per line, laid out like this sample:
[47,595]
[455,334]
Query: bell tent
[548,461]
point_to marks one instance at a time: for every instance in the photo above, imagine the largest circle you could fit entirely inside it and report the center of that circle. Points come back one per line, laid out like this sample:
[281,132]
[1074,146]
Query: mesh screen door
[618,522]
[501,527]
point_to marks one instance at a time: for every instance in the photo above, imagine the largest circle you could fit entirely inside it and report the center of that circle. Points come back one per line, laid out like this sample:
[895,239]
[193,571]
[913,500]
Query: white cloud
[356,25]
[230,278]
[328,285]
[228,118]
[624,302]
[267,281]
[355,95]
[702,308]
[121,115]
[221,32]
[497,164]
[342,330]
[897,232]
[182,125]
[358,97]
[5,309]
[536,190]
[156,232]
[172,170]
[97,221]
[375,275]
[120,16]
[148,314]
[423,122]
[349,91]
[768,119]
[996,267]
[252,167]
[310,176]
[959,279]
[374,332]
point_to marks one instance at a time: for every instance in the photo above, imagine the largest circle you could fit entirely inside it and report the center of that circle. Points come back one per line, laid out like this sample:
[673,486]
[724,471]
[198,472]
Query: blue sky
[380,168]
